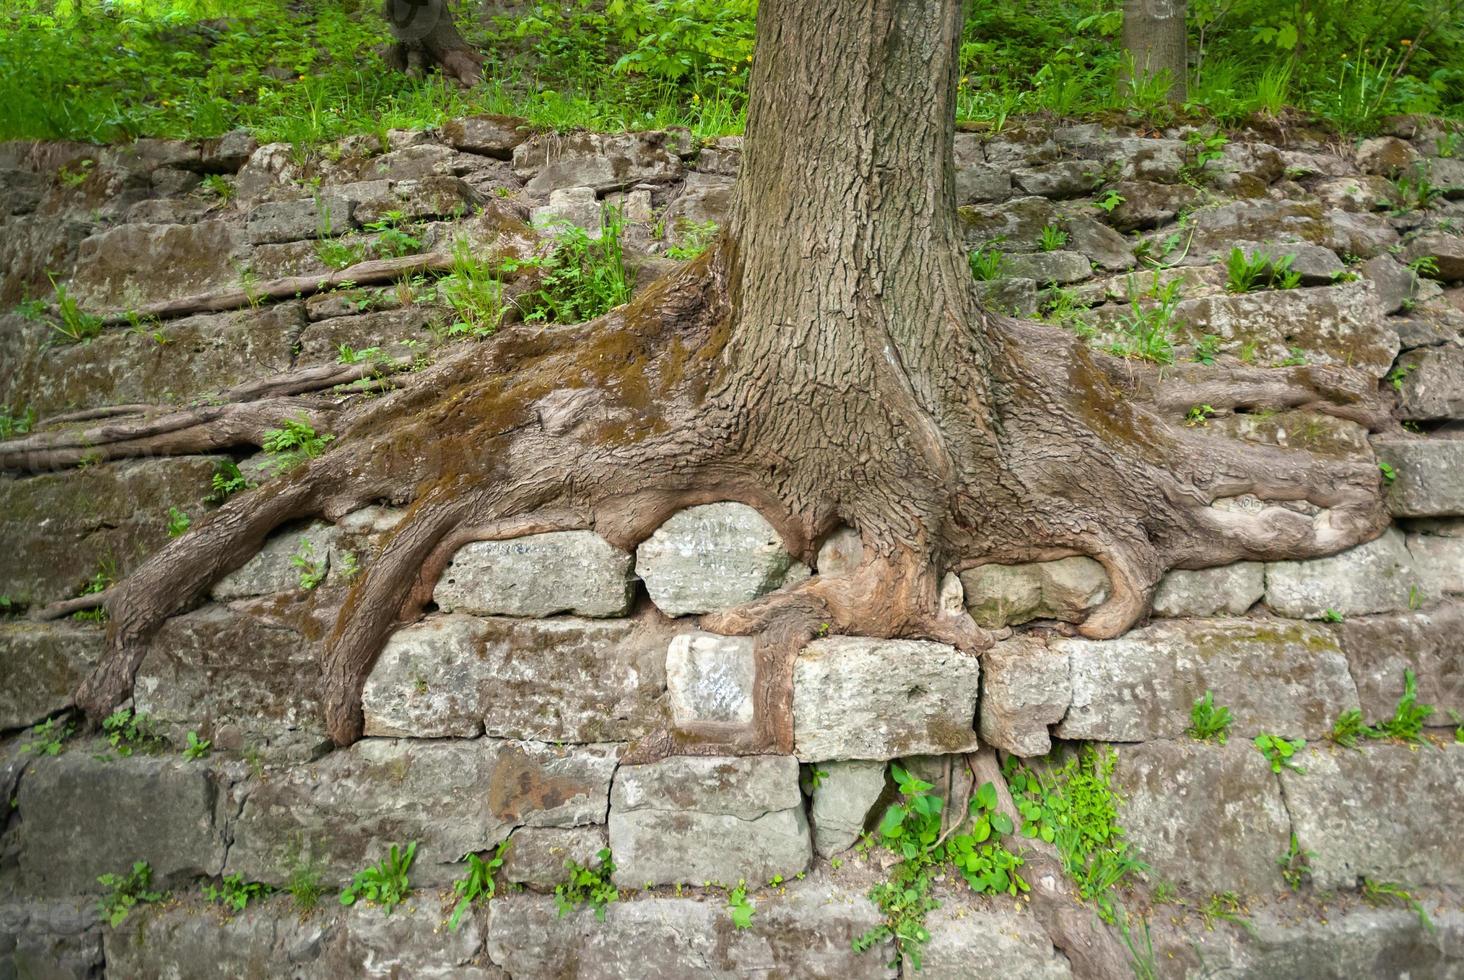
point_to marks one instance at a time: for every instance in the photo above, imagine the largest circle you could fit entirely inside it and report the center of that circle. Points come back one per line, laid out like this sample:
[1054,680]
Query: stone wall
[503,716]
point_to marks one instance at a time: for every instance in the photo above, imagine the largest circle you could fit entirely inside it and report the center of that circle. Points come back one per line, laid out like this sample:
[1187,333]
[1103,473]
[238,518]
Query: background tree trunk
[426,38]
[1154,37]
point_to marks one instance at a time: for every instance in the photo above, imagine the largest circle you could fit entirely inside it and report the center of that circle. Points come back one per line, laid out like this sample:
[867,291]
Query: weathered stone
[346,810]
[1429,478]
[410,941]
[843,795]
[693,819]
[1009,294]
[538,575]
[60,527]
[560,680]
[722,155]
[1378,576]
[967,943]
[273,569]
[1372,814]
[237,679]
[1015,225]
[577,206]
[1330,324]
[1394,282]
[1446,250]
[1432,381]
[266,940]
[41,664]
[1066,178]
[1440,563]
[1380,648]
[999,595]
[1355,192]
[1147,204]
[536,855]
[494,136]
[421,199]
[713,557]
[1287,678]
[413,162]
[1386,156]
[82,816]
[1103,246]
[198,356]
[32,249]
[807,931]
[1208,818]
[58,940]
[856,697]
[1025,687]
[710,679]
[1048,267]
[227,153]
[978,183]
[289,221]
[395,333]
[131,265]
[1228,589]
[703,199]
[604,162]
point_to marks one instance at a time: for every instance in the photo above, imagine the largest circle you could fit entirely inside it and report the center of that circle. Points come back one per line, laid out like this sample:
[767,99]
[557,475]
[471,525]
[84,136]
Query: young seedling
[1279,750]
[476,885]
[587,885]
[1207,722]
[384,883]
[742,910]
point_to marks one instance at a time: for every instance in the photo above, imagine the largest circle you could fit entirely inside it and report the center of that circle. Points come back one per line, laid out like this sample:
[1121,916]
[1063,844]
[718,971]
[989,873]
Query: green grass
[305,72]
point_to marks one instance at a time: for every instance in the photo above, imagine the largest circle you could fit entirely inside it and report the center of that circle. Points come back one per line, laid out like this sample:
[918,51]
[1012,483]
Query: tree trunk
[426,38]
[1154,38]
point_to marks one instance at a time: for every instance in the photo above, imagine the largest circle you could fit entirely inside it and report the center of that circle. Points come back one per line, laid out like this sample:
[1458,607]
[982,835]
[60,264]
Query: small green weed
[1409,716]
[1148,327]
[304,887]
[1244,274]
[75,325]
[384,883]
[1053,238]
[1278,751]
[178,522]
[476,885]
[312,570]
[125,892]
[1396,376]
[1332,616]
[586,885]
[1295,865]
[1202,150]
[695,238]
[338,253]
[1349,728]
[1199,415]
[1207,349]
[128,731]
[1426,266]
[742,910]
[18,423]
[582,277]
[1224,906]
[1207,722]
[227,480]
[197,748]
[48,737]
[234,893]
[1109,201]
[1389,472]
[219,186]
[474,292]
[392,241]
[1392,893]
[986,264]
[293,443]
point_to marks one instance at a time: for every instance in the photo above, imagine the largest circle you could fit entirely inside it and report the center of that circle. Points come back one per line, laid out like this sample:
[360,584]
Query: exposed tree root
[66,607]
[370,273]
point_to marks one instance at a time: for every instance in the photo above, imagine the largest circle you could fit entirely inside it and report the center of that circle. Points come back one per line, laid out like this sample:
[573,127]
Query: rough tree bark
[1154,37]
[827,362]
[425,37]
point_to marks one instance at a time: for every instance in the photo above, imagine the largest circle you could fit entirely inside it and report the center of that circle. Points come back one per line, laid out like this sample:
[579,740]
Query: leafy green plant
[219,186]
[304,887]
[1247,273]
[1053,238]
[1109,201]
[128,731]
[1396,376]
[473,291]
[384,883]
[582,277]
[1295,357]
[1225,906]
[1279,750]
[346,354]
[392,241]
[338,253]
[101,581]
[74,324]
[1202,149]
[226,481]
[1349,728]
[1207,722]
[1413,191]
[586,885]
[1149,325]
[1199,415]
[1295,864]
[986,264]
[125,892]
[48,737]
[178,522]
[1075,807]
[695,238]
[1426,266]
[476,885]
[1207,349]
[294,442]
[18,423]
[1409,716]
[197,748]
[1331,616]
[1388,470]
[234,893]
[1392,893]
[312,570]
[350,566]
[741,909]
